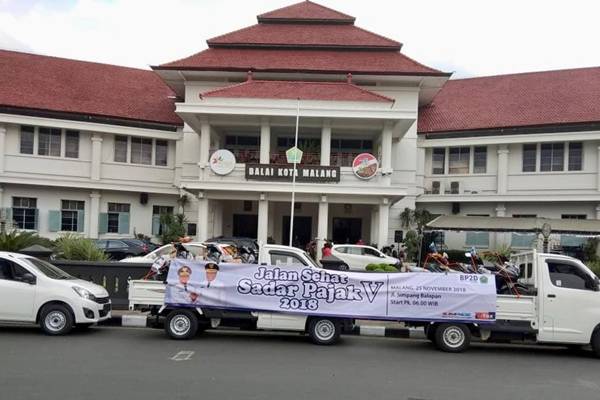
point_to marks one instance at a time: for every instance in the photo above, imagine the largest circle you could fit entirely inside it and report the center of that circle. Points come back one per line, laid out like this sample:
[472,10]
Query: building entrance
[302,231]
[245,225]
[346,230]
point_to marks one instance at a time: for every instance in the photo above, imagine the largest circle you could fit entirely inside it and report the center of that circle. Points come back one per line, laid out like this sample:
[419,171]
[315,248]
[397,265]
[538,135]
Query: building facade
[105,150]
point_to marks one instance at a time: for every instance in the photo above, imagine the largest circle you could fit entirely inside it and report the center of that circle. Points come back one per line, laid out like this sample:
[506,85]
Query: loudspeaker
[455,208]
[144,198]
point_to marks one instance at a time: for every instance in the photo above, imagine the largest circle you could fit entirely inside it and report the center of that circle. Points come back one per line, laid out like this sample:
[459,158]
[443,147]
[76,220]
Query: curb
[142,321]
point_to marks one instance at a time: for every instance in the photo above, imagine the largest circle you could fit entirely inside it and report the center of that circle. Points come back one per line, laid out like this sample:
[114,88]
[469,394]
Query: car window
[283,258]
[47,269]
[115,244]
[371,252]
[5,270]
[355,250]
[163,251]
[569,276]
[342,249]
[101,244]
[196,251]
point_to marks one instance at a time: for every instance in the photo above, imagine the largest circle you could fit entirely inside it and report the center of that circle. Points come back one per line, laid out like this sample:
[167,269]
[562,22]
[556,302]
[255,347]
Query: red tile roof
[302,60]
[309,35]
[54,84]
[517,100]
[335,91]
[307,30]
[305,11]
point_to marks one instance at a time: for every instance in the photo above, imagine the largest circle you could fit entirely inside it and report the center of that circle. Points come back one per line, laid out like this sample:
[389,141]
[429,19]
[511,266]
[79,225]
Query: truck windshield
[48,269]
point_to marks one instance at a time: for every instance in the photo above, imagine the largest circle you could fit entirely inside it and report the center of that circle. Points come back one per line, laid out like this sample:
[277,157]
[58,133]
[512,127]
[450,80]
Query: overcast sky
[470,38]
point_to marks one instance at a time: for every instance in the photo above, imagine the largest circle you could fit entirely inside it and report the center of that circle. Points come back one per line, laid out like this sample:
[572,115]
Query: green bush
[173,227]
[73,247]
[412,244]
[16,240]
[381,268]
[594,266]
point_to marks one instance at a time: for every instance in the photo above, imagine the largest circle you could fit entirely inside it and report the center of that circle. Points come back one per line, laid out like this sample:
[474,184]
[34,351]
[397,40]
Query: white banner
[308,290]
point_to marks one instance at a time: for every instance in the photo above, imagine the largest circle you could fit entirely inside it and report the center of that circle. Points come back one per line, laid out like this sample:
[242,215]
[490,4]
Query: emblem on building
[222,162]
[365,166]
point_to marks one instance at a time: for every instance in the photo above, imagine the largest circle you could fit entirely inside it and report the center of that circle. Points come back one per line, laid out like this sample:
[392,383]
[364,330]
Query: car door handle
[552,296]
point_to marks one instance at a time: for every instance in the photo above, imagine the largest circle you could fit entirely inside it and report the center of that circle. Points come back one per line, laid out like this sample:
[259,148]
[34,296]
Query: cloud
[472,38]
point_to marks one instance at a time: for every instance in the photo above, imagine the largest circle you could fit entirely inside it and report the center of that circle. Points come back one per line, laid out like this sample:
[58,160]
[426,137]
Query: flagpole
[294,175]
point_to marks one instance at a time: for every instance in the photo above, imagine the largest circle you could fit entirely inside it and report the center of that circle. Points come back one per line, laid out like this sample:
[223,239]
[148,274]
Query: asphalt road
[126,363]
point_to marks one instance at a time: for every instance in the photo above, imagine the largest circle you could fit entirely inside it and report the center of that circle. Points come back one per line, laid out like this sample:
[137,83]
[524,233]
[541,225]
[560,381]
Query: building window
[480,160]
[120,148]
[72,144]
[141,151]
[438,161]
[160,152]
[191,229]
[529,157]
[524,216]
[24,212]
[478,239]
[573,216]
[458,160]
[71,215]
[575,156]
[157,211]
[27,134]
[552,157]
[116,212]
[49,142]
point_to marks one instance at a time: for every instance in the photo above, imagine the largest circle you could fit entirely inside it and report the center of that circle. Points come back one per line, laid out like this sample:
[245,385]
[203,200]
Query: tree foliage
[74,247]
[15,240]
[173,227]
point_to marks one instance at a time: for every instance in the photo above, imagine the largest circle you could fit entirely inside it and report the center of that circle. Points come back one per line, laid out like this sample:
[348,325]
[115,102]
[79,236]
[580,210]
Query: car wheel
[181,324]
[324,331]
[56,319]
[596,343]
[344,267]
[452,338]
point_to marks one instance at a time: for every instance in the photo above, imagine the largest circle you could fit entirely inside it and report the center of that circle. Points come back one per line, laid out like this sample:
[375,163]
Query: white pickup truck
[183,323]
[565,308]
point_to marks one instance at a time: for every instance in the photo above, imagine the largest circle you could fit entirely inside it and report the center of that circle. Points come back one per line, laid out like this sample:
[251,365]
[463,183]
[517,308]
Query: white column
[263,219]
[326,143]
[597,209]
[202,226]
[386,153]
[96,157]
[384,220]
[502,181]
[1,196]
[2,147]
[498,239]
[265,141]
[323,221]
[217,208]
[204,148]
[374,224]
[598,170]
[94,215]
[178,158]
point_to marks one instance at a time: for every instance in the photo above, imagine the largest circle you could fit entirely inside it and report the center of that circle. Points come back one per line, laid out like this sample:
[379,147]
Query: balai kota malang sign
[304,173]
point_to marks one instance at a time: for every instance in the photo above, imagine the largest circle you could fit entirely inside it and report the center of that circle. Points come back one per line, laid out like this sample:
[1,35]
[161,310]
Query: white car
[357,257]
[197,250]
[37,292]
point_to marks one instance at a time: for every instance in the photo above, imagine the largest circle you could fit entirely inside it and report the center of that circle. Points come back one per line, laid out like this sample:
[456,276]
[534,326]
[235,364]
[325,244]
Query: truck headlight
[86,294]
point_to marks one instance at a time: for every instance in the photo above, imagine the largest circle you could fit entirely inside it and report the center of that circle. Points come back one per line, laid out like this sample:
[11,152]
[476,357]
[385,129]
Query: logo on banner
[222,162]
[365,165]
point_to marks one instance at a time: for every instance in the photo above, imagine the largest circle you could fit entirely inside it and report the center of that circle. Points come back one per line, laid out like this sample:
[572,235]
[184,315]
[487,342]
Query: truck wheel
[452,338]
[430,332]
[181,324]
[596,343]
[56,319]
[324,331]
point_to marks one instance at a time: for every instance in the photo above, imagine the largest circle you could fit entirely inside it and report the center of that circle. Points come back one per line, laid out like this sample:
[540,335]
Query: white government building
[104,150]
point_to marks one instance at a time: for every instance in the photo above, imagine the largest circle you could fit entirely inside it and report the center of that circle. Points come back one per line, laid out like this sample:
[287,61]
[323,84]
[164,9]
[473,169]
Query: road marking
[182,356]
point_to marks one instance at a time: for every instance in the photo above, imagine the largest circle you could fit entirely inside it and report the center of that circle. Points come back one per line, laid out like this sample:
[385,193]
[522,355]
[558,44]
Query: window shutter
[80,218]
[36,220]
[103,223]
[54,220]
[123,223]
[155,224]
